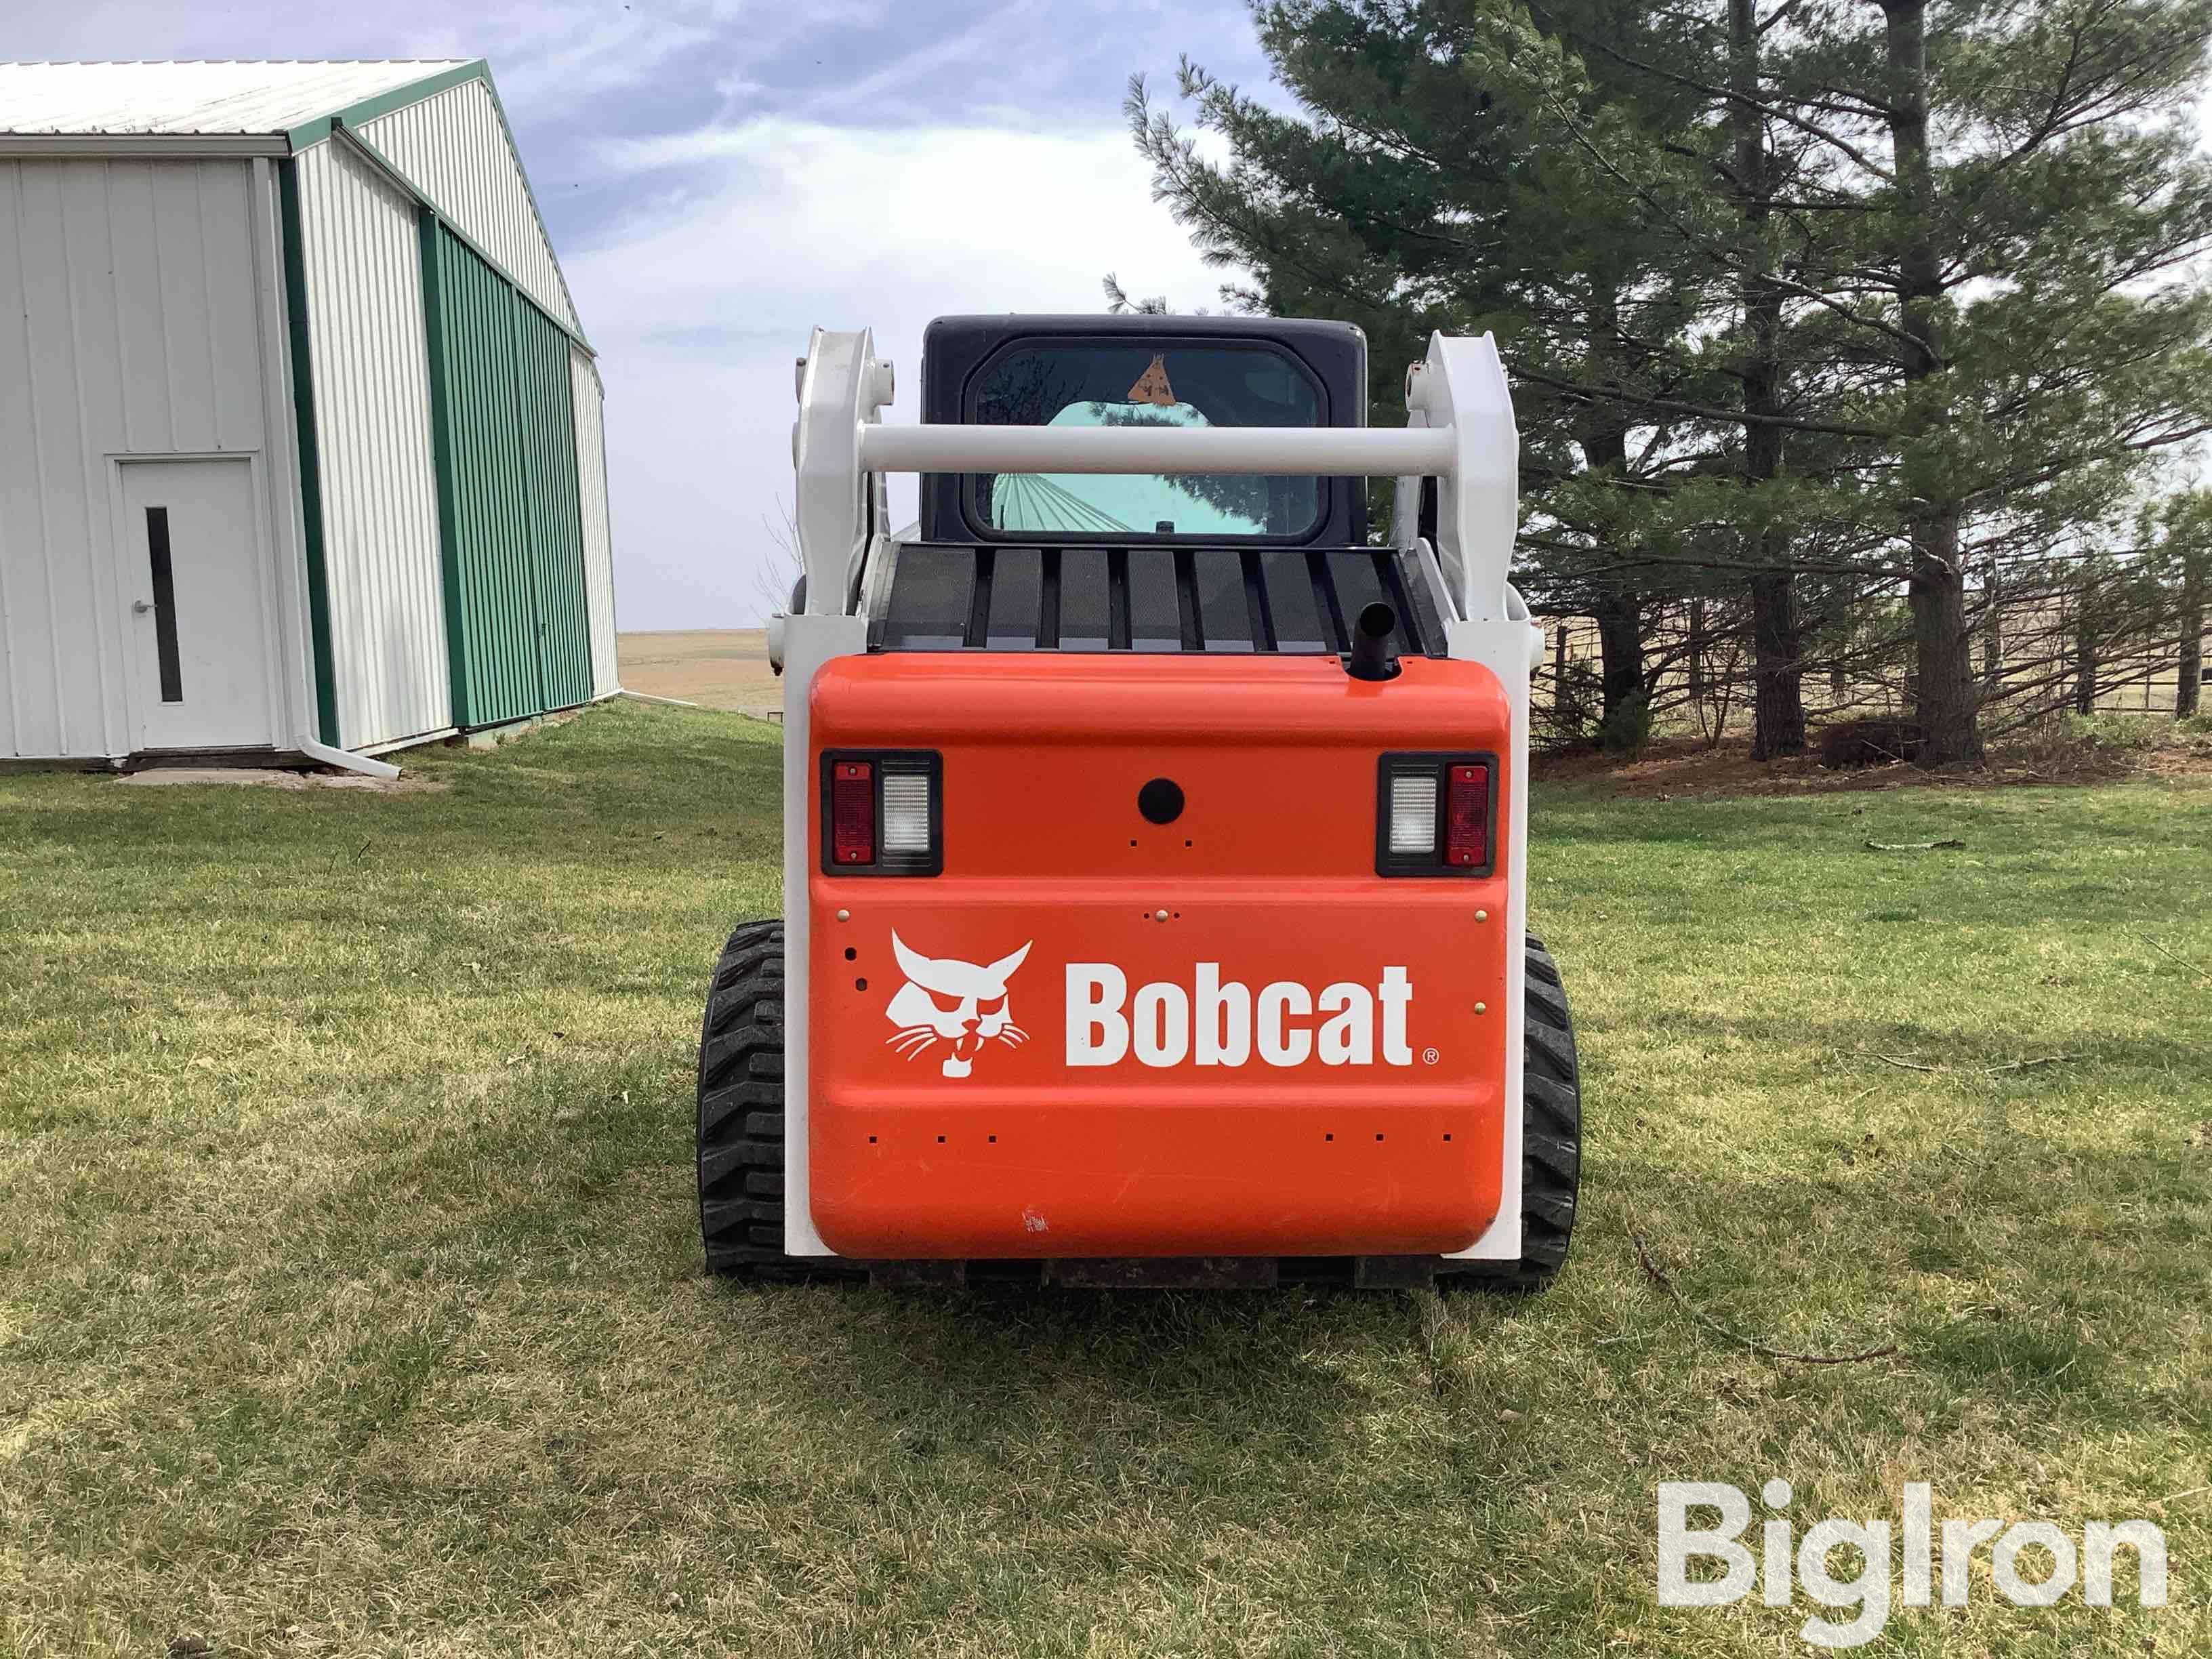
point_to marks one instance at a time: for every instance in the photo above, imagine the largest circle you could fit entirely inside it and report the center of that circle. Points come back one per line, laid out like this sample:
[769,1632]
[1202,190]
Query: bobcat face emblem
[947,1000]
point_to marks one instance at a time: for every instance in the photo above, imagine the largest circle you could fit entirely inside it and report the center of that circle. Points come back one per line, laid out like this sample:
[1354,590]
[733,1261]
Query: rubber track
[740,1141]
[1550,1130]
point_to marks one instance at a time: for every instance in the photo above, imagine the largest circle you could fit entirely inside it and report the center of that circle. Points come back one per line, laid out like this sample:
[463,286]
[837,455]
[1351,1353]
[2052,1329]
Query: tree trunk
[2190,664]
[1694,668]
[1948,701]
[2085,669]
[1993,642]
[1945,697]
[2085,652]
[1603,434]
[1777,723]
[1620,646]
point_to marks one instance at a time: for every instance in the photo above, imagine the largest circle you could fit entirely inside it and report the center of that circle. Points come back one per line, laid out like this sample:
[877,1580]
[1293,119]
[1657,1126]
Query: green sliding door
[509,515]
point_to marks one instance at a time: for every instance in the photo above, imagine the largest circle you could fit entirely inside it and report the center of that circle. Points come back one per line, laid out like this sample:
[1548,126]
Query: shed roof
[234,107]
[204,99]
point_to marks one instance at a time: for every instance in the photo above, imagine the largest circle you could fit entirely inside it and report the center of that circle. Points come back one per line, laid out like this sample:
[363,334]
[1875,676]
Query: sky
[720,176]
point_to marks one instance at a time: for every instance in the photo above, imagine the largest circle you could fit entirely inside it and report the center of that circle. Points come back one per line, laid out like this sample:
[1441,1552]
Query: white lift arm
[1462,434]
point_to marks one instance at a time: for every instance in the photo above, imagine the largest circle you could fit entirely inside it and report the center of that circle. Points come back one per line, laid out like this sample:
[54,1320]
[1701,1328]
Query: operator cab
[1074,371]
[1111,562]
[1153,885]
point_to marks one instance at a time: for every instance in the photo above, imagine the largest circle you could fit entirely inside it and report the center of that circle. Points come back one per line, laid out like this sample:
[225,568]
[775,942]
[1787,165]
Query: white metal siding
[455,148]
[130,321]
[599,540]
[370,364]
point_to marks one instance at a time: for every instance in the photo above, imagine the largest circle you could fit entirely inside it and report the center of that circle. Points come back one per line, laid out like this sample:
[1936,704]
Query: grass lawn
[349,1298]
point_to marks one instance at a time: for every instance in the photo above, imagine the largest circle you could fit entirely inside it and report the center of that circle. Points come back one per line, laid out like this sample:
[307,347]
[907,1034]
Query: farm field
[719,667]
[349,1296]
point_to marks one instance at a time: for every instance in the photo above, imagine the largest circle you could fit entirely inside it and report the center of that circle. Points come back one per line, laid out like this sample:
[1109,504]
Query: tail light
[883,812]
[1437,815]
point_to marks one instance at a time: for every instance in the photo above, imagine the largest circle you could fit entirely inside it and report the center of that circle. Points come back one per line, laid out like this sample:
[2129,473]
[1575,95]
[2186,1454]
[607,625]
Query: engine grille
[946,596]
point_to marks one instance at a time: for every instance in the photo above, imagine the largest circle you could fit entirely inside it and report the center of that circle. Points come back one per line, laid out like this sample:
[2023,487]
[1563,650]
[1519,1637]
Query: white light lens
[1413,814]
[906,812]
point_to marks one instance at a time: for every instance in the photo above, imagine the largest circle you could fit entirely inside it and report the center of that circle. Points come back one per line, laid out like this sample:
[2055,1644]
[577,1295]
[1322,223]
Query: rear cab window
[1173,381]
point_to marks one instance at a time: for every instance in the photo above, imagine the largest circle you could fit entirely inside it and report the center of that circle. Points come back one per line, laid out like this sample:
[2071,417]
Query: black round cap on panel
[1160,801]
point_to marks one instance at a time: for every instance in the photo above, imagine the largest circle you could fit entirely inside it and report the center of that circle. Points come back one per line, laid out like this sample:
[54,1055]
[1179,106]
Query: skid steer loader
[1153,841]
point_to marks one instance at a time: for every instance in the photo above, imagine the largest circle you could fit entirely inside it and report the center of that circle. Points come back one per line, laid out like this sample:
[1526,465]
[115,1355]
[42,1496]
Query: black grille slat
[1293,607]
[1191,626]
[979,602]
[1326,604]
[1047,633]
[1086,604]
[930,603]
[1016,599]
[1393,588]
[943,596]
[1255,601]
[1117,599]
[1422,614]
[1224,608]
[1155,601]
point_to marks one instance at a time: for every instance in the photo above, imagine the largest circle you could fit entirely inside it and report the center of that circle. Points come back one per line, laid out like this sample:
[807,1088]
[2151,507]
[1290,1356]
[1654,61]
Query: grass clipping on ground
[350,1299]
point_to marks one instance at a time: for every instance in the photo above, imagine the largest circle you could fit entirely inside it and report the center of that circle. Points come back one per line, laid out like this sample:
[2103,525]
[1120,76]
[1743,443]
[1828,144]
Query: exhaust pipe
[1371,657]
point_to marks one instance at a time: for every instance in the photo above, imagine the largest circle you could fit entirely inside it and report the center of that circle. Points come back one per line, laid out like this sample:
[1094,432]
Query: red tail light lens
[852,812]
[1467,817]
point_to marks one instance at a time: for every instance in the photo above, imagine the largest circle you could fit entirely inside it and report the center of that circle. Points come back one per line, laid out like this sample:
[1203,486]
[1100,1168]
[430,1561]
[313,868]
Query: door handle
[140,607]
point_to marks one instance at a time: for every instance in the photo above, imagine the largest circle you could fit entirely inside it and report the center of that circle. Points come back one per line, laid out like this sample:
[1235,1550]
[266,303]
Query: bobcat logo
[946,1001]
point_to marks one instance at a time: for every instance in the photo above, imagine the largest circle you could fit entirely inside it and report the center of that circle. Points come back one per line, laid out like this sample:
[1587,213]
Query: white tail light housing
[883,812]
[1437,815]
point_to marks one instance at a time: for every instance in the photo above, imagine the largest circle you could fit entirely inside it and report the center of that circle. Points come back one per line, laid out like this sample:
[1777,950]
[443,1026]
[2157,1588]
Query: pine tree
[1987,308]
[1426,190]
[1863,293]
[1778,702]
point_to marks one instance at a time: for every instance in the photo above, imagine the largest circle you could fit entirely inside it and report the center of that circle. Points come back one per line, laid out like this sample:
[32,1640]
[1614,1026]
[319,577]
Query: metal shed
[301,450]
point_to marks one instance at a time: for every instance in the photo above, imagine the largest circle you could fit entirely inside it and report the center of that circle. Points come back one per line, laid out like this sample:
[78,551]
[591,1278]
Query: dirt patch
[2179,762]
[263,777]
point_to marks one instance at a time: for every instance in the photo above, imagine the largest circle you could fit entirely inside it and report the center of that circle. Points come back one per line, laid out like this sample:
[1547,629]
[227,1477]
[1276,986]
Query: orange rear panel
[1290,1063]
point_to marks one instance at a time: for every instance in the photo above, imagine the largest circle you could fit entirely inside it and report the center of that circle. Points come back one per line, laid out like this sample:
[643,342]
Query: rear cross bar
[1337,451]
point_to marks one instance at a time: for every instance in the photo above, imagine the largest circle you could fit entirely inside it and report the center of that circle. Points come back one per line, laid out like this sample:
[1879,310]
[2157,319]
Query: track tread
[740,1127]
[1551,1131]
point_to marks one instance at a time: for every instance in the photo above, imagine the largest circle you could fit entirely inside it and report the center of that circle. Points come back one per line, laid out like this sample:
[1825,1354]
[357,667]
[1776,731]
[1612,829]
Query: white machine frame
[1460,431]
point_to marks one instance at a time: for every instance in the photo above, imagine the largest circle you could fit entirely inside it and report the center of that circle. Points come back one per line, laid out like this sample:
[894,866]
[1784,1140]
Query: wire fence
[2045,641]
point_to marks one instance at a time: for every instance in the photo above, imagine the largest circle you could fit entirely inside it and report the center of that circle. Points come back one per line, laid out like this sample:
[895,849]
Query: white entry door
[192,569]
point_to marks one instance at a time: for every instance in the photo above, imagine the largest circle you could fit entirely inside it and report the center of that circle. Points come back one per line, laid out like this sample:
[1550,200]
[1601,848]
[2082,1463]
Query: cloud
[803,216]
[925,78]
[744,237]
[555,55]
